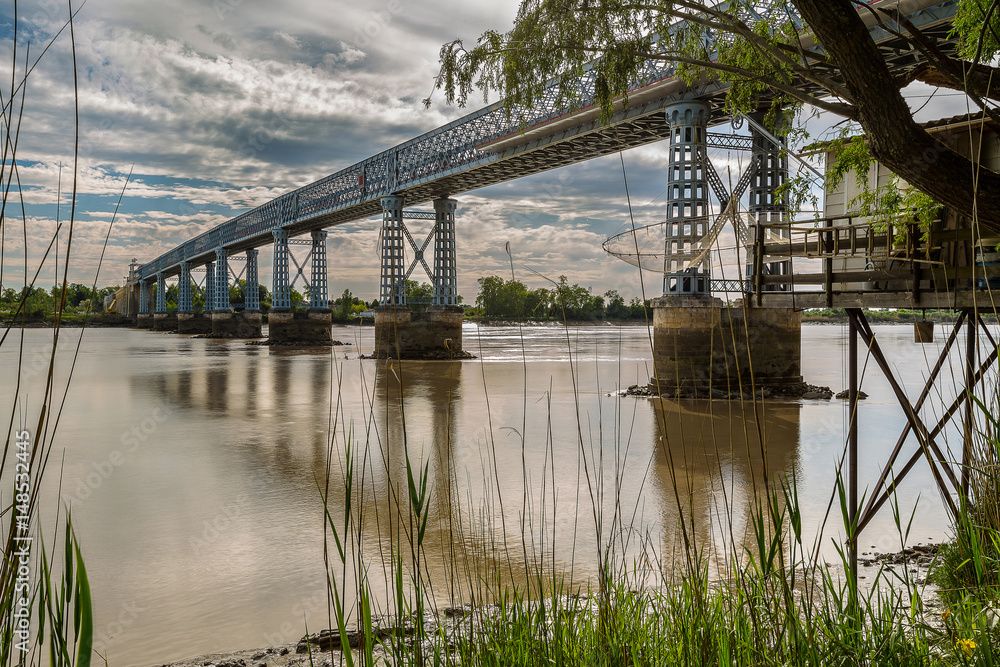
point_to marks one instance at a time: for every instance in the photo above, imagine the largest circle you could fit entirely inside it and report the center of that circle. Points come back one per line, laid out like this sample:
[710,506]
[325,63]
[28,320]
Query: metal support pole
[445,262]
[852,454]
[392,291]
[319,294]
[971,332]
[161,293]
[143,297]
[251,294]
[209,286]
[281,293]
[184,289]
[221,280]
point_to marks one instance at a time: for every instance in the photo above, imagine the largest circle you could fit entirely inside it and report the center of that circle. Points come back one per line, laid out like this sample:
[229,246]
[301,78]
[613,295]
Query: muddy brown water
[193,466]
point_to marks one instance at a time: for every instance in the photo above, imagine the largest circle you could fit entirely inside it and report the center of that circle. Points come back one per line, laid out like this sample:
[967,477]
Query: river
[194,467]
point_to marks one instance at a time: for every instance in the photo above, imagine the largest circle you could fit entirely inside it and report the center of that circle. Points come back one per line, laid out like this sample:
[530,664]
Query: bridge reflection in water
[717,461]
[519,449]
[497,511]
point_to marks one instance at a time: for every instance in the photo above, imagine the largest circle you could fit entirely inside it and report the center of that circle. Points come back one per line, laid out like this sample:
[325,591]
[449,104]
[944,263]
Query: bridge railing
[426,157]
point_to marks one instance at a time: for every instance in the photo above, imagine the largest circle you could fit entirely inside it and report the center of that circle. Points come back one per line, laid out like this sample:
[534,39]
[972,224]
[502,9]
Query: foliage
[555,42]
[882,203]
[39,304]
[511,299]
[977,27]
[237,293]
[348,306]
[894,316]
[418,291]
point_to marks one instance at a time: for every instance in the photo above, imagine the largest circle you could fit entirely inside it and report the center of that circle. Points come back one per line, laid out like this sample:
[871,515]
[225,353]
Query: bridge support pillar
[162,320]
[184,302]
[249,323]
[144,319]
[687,200]
[765,203]
[401,333]
[281,294]
[699,345]
[225,323]
[209,286]
[251,297]
[188,321]
[319,298]
[314,327]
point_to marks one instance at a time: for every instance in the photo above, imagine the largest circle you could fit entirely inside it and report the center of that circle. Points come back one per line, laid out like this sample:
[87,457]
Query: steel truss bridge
[487,147]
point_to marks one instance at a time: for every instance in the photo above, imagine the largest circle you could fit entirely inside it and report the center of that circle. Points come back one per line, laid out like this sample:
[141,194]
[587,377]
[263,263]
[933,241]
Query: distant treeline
[41,303]
[900,316]
[500,299]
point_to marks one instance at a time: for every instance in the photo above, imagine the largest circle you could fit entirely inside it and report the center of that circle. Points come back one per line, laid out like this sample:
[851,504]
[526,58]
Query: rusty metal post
[971,332]
[852,454]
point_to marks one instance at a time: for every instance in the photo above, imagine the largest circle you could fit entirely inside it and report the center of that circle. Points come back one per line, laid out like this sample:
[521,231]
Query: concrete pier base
[164,321]
[313,327]
[227,324]
[144,321]
[251,324]
[699,345]
[193,323]
[435,334]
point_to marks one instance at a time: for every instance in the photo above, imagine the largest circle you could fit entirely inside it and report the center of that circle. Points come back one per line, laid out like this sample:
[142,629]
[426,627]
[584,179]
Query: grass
[771,601]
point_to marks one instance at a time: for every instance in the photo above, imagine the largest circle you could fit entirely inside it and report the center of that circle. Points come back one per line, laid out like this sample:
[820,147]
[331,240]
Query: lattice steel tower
[393,288]
[687,200]
[772,173]
[445,262]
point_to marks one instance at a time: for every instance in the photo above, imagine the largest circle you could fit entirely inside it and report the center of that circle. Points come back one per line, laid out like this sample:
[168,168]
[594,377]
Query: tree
[761,49]
[39,303]
[499,298]
[344,303]
[296,298]
[420,291]
[616,308]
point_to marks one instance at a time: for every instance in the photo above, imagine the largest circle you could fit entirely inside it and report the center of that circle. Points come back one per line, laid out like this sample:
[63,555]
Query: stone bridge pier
[144,318]
[699,344]
[401,332]
[163,320]
[225,322]
[315,325]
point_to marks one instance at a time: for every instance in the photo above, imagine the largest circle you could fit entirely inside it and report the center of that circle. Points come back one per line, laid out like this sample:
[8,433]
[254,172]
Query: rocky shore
[789,391]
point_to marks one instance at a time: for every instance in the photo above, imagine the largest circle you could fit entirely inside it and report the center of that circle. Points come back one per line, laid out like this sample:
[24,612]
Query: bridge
[484,148]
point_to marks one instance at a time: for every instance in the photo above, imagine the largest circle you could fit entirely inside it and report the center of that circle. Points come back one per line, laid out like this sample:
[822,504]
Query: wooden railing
[899,256]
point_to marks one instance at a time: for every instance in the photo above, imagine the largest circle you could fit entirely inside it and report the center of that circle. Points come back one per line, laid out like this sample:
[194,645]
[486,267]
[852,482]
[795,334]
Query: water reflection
[716,461]
[534,467]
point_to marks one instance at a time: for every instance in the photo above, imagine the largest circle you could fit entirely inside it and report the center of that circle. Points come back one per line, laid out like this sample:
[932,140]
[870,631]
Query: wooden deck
[870,265]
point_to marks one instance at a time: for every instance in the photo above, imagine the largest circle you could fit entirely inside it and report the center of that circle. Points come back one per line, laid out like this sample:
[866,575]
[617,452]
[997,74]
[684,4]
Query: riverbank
[449,631]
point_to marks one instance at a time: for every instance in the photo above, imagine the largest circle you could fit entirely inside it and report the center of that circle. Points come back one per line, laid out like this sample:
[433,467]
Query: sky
[217,106]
